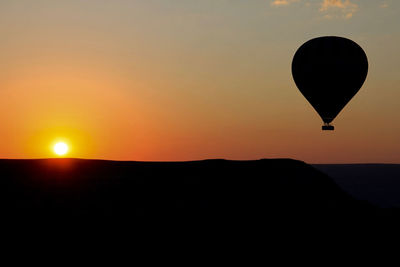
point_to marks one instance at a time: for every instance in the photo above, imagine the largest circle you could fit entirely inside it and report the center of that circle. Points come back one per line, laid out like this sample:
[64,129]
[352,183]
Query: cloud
[278,3]
[384,5]
[329,8]
[327,4]
[345,7]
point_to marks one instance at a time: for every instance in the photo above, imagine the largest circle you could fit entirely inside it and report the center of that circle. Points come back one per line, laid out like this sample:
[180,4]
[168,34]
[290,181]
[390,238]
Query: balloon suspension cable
[327,127]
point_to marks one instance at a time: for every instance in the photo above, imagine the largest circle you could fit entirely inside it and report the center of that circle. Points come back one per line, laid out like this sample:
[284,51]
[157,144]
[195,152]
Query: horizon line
[199,160]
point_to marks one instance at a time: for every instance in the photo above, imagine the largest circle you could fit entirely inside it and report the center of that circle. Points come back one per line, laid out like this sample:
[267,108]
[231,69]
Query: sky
[168,80]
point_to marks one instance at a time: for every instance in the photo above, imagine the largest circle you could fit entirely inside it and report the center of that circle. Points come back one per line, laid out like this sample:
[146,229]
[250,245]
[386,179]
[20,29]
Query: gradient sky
[190,79]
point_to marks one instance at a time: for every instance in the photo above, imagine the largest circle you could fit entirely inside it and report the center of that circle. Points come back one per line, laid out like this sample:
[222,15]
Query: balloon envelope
[329,71]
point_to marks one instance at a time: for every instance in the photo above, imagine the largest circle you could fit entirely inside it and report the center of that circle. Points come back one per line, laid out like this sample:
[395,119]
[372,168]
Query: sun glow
[60,148]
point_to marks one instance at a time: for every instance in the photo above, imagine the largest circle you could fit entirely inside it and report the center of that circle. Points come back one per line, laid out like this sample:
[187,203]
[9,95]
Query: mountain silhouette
[273,190]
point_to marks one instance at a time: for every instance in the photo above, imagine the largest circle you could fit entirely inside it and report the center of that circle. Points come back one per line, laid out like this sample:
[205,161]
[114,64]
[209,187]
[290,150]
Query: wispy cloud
[346,8]
[384,4]
[329,8]
[278,3]
[327,4]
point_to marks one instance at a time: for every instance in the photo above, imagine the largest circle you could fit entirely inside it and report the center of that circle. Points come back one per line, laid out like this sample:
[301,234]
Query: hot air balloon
[329,71]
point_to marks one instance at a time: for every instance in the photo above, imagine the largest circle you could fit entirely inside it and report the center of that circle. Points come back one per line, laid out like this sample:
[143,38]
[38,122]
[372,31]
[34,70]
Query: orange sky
[187,80]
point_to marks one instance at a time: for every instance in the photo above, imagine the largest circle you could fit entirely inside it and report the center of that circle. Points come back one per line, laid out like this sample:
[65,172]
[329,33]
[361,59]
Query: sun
[60,148]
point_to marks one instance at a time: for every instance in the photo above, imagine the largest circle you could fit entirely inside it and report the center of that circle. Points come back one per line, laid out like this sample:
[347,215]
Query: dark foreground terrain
[212,207]
[275,191]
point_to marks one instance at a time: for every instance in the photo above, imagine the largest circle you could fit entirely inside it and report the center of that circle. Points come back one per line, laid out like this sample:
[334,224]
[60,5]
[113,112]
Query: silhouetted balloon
[329,71]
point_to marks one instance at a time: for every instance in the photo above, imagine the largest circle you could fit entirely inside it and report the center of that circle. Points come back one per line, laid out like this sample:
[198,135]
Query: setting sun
[60,148]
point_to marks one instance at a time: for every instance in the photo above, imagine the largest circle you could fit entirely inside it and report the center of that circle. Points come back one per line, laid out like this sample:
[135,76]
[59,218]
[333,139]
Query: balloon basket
[328,128]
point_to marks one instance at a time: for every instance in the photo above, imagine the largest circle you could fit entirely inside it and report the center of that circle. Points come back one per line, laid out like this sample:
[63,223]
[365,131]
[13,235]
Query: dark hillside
[273,190]
[378,184]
